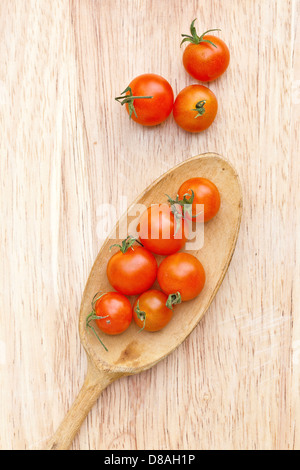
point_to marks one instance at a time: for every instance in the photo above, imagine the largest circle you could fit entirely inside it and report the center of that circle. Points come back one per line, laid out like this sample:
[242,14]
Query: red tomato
[112,313]
[160,231]
[200,191]
[132,270]
[150,311]
[149,99]
[206,57]
[183,273]
[195,108]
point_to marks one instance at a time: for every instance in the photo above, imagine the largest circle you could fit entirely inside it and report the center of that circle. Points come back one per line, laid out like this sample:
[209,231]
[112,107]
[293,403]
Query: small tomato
[153,310]
[206,57]
[148,98]
[183,273]
[131,270]
[195,108]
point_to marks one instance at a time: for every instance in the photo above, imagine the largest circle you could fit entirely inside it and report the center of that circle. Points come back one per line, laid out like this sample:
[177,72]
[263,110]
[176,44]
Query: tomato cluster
[163,228]
[133,269]
[149,98]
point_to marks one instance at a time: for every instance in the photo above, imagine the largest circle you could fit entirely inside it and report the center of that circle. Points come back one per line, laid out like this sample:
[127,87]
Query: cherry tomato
[150,311]
[112,313]
[200,191]
[149,99]
[160,231]
[195,108]
[132,270]
[183,273]
[206,57]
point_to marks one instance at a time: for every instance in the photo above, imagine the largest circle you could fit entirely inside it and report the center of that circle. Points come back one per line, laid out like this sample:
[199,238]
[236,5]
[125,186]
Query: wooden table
[67,147]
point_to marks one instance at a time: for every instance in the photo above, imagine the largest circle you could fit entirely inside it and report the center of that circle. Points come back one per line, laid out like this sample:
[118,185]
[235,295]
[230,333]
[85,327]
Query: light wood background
[67,147]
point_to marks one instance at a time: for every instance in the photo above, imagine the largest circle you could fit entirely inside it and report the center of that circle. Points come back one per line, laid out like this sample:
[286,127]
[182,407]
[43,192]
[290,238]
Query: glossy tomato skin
[132,272]
[118,312]
[151,111]
[158,230]
[153,303]
[205,62]
[185,104]
[183,273]
[206,193]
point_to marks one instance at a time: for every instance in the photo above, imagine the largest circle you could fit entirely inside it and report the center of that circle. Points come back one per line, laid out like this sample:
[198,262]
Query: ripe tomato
[206,57]
[112,313]
[195,108]
[200,191]
[162,232]
[150,311]
[149,99]
[131,270]
[183,273]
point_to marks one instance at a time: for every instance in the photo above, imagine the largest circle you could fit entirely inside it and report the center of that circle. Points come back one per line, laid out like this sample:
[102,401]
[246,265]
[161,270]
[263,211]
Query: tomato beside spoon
[148,98]
[207,56]
[195,108]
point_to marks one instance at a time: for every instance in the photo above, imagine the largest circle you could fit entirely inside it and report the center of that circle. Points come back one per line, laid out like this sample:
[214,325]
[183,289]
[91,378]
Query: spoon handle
[95,382]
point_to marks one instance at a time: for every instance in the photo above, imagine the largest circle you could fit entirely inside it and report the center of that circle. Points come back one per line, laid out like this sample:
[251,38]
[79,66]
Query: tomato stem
[140,314]
[173,299]
[194,38]
[96,298]
[126,244]
[129,99]
[92,316]
[185,203]
[177,214]
[199,108]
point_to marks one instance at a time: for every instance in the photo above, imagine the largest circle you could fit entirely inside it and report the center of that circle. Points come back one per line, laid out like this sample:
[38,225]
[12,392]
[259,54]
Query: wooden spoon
[134,351]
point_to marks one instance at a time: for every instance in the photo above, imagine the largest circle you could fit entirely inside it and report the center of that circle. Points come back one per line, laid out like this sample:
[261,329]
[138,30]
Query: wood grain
[67,147]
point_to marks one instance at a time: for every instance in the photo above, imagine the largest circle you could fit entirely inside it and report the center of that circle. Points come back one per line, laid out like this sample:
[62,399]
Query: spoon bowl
[134,351]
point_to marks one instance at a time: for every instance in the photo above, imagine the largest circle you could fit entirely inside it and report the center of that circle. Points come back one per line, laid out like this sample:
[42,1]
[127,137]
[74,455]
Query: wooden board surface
[67,147]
